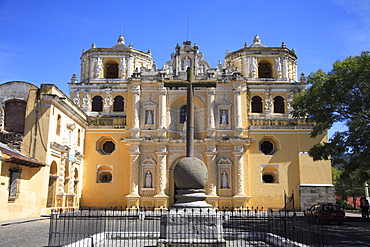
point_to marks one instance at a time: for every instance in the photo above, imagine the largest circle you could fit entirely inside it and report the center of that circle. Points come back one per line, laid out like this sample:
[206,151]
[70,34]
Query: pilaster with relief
[210,160]
[135,131]
[161,180]
[238,129]
[134,175]
[162,91]
[238,170]
[211,129]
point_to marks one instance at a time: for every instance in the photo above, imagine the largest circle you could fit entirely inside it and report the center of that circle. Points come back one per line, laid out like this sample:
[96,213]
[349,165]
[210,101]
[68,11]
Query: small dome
[120,43]
[257,42]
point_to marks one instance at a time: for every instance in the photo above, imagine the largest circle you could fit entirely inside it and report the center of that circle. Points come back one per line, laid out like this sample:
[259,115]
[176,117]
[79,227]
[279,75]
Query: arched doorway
[52,184]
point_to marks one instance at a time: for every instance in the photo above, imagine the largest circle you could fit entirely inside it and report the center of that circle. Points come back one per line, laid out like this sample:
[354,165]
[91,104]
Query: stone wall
[13,140]
[312,193]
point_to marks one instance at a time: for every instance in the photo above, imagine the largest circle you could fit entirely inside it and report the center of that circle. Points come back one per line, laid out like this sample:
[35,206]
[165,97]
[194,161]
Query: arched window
[15,115]
[270,173]
[111,70]
[256,104]
[104,174]
[118,103]
[183,111]
[264,70]
[279,104]
[59,119]
[97,103]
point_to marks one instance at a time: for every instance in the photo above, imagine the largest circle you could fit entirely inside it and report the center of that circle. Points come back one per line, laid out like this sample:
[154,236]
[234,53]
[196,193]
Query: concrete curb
[20,221]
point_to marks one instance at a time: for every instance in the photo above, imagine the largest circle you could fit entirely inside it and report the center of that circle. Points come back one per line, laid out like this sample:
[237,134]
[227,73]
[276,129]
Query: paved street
[29,234]
[35,234]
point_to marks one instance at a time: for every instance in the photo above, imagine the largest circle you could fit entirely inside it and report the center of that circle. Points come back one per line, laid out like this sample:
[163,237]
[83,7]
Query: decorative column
[161,169]
[133,197]
[86,102]
[129,66]
[71,192]
[60,195]
[211,115]
[238,129]
[268,102]
[122,67]
[238,170]
[92,62]
[285,67]
[210,160]
[108,101]
[135,110]
[162,91]
[246,66]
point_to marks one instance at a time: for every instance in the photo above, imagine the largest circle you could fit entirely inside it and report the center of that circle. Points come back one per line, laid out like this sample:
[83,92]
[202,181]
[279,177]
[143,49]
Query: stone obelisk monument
[191,221]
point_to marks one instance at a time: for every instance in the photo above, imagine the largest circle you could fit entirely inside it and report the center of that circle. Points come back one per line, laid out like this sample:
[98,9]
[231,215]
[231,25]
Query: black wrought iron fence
[142,228]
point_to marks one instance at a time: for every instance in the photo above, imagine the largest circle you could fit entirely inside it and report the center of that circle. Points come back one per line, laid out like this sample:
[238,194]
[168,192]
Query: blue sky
[41,40]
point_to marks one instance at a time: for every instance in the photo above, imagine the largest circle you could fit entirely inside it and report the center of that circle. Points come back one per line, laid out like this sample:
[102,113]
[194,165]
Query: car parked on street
[322,213]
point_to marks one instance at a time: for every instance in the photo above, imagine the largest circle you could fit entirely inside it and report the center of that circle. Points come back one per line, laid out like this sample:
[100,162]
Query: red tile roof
[19,158]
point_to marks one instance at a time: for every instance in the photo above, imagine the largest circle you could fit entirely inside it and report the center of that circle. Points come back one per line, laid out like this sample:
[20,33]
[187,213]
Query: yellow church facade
[117,139]
[253,148]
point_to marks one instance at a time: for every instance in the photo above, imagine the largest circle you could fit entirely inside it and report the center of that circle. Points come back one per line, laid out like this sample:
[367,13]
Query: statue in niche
[187,63]
[148,180]
[254,66]
[123,67]
[224,117]
[224,179]
[278,66]
[98,67]
[201,69]
[149,117]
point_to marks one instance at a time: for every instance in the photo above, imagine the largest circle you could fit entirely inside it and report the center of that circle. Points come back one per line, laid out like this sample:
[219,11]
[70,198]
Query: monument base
[191,227]
[191,198]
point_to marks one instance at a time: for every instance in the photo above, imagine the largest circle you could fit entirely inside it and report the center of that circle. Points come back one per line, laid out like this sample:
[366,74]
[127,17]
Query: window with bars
[279,104]
[118,103]
[14,181]
[97,104]
[256,104]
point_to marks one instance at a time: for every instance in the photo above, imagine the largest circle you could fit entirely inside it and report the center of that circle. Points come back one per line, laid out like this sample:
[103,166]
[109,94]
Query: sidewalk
[356,216]
[20,221]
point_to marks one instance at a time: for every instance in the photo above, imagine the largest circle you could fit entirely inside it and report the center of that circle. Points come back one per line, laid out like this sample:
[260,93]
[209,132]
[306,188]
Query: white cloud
[354,30]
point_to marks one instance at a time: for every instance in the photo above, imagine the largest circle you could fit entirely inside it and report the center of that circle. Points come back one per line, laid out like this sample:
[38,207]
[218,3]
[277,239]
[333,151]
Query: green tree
[340,96]
[350,185]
